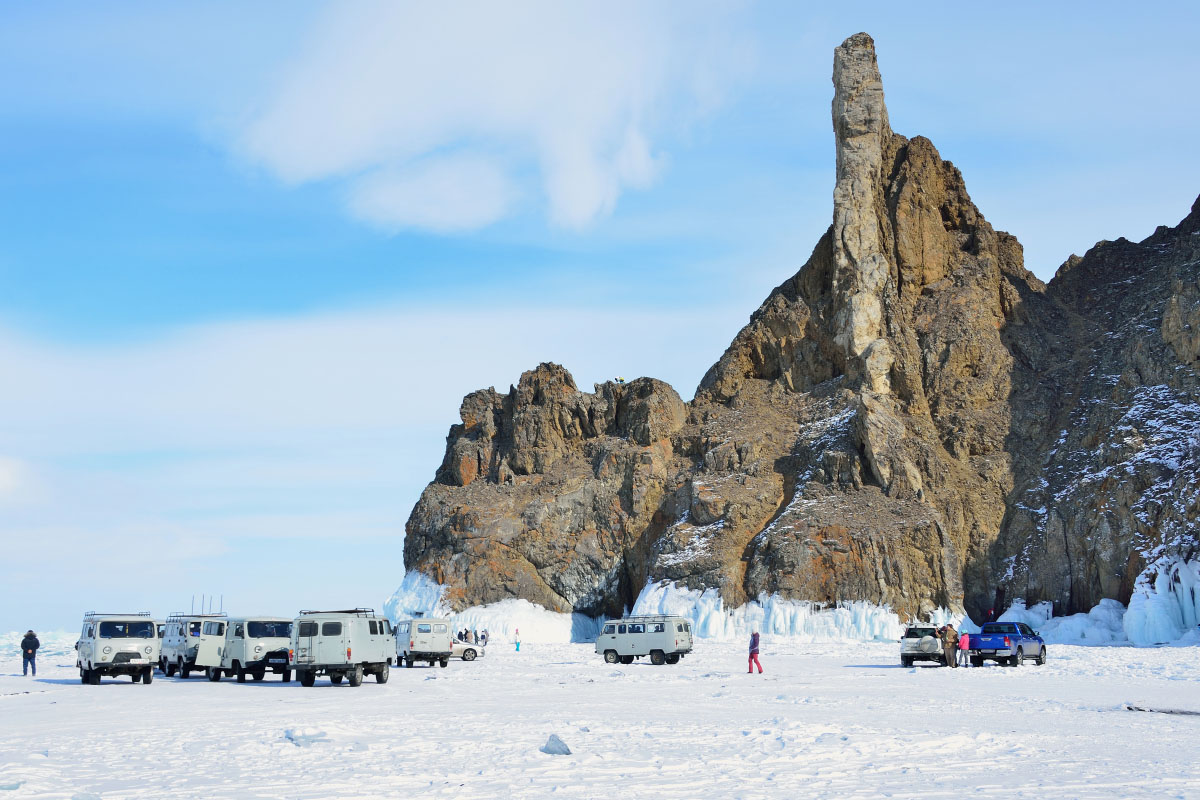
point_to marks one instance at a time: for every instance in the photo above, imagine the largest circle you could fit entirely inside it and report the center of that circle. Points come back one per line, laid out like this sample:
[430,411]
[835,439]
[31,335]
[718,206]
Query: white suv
[117,644]
[921,643]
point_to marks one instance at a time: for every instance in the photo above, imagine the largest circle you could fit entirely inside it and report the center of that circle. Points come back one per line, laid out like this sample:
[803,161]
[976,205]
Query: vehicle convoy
[664,639]
[245,646]
[467,651]
[345,645]
[1006,643]
[117,644]
[423,639]
[921,643]
[180,642]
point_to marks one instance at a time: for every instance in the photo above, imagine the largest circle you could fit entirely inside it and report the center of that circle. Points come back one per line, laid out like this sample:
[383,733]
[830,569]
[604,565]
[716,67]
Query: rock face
[912,419]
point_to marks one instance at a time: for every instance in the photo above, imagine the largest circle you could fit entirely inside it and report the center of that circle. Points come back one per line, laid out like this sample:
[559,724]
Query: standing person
[754,638]
[517,638]
[964,645]
[949,645]
[29,648]
[485,637]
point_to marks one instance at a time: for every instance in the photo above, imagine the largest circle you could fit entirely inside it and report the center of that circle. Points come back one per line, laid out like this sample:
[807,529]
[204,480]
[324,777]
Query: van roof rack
[342,611]
[174,615]
[117,614]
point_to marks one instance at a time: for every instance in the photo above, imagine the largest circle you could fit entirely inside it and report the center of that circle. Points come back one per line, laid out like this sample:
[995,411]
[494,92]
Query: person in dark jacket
[29,648]
[754,654]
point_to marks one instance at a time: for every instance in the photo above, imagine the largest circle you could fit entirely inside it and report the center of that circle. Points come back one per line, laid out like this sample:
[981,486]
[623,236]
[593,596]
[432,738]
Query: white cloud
[402,98]
[443,195]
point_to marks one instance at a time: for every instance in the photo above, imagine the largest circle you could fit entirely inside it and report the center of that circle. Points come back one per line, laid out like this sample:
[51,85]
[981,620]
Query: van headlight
[106,650]
[148,648]
[258,648]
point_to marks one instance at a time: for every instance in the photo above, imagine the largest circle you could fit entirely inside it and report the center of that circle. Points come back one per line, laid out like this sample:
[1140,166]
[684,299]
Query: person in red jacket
[964,653]
[754,654]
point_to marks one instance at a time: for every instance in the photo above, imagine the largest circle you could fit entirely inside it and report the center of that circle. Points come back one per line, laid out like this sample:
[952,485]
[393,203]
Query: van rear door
[332,642]
[210,644]
[306,634]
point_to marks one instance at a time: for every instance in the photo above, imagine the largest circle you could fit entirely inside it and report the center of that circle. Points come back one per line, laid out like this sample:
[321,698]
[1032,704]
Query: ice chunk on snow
[1165,605]
[769,614]
[1101,625]
[304,737]
[418,593]
[556,747]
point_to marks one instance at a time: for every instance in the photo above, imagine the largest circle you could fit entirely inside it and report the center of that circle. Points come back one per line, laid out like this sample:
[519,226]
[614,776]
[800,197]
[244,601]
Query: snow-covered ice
[834,719]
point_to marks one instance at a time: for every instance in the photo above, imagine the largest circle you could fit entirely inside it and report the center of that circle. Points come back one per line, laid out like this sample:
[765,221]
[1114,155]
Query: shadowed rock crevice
[911,419]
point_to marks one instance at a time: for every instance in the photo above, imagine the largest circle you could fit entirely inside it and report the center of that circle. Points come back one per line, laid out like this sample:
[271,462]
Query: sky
[253,255]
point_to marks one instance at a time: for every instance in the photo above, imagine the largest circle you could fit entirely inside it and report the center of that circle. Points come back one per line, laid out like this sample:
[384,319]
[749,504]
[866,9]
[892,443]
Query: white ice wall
[1165,606]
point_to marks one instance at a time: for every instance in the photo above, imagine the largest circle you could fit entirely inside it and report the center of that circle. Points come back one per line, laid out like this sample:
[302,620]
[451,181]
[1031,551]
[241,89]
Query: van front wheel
[148,675]
[306,677]
[241,673]
[611,657]
[381,676]
[673,658]
[212,673]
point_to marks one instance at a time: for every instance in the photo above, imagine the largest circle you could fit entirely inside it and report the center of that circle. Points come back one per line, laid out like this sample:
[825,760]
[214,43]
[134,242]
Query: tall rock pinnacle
[911,419]
[861,268]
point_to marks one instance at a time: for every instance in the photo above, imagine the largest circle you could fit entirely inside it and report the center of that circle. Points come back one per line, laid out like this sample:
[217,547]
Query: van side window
[239,631]
[387,625]
[214,629]
[195,630]
[425,627]
[679,627]
[438,628]
[308,629]
[331,629]
[374,628]
[620,629]
[610,628]
[638,628]
[402,627]
[658,627]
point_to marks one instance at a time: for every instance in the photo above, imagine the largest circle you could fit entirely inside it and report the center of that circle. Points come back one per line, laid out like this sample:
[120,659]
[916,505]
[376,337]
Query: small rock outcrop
[912,419]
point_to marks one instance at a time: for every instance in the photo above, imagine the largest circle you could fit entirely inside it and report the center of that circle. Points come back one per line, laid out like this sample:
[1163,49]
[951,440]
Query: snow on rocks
[419,594]
[1102,625]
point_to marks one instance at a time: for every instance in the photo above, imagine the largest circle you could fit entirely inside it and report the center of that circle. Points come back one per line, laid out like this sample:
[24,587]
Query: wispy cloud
[438,116]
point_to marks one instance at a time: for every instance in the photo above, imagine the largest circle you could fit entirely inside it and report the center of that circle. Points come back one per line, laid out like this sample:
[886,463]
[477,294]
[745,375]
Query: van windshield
[269,630]
[127,630]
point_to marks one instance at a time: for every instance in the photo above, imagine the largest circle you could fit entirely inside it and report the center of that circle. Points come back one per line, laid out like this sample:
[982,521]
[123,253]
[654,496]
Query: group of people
[955,646]
[29,648]
[472,636]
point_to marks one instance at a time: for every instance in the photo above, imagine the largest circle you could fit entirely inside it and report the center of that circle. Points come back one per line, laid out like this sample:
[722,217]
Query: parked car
[180,640]
[1006,643]
[921,643]
[664,639]
[117,644]
[424,639]
[345,645]
[252,646]
[466,650]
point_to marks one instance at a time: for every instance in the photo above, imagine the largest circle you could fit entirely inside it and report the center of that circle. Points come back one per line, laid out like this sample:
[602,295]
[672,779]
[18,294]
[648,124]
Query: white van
[423,640]
[245,646]
[664,639]
[341,644]
[181,638]
[117,644]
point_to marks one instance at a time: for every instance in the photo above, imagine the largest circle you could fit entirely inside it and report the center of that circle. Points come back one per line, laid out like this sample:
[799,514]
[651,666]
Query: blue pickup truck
[1006,643]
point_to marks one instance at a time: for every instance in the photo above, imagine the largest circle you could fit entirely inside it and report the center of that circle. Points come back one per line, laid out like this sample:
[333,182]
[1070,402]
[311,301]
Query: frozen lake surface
[826,720]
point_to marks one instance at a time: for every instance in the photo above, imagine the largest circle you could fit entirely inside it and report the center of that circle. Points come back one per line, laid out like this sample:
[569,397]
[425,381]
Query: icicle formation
[1165,606]
[856,621]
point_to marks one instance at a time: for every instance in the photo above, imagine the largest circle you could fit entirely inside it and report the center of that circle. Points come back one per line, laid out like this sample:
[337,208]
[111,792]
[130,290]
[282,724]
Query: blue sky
[252,258]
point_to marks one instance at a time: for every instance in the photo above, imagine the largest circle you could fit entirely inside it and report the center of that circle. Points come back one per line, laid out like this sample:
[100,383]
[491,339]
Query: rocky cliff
[911,419]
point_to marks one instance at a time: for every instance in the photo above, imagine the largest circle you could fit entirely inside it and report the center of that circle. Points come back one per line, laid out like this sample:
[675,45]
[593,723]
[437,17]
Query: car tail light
[411,644]
[347,653]
[292,655]
[1007,643]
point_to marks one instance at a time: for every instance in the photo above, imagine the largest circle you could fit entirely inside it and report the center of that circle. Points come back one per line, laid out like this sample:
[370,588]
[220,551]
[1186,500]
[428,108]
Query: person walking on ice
[964,652]
[754,654]
[29,648]
[517,638]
